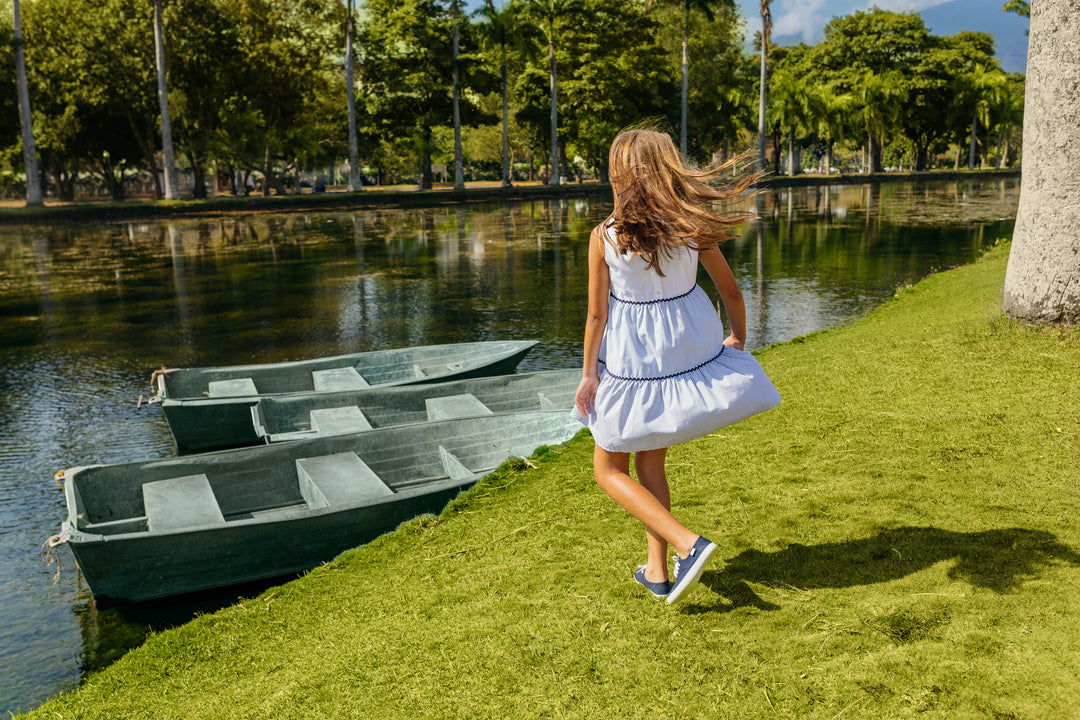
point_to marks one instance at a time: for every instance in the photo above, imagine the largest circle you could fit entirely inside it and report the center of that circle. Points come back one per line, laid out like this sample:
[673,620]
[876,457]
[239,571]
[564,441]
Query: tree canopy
[256,89]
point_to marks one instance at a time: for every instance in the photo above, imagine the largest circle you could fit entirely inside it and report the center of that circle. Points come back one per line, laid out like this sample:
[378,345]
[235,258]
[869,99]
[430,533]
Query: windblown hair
[661,203]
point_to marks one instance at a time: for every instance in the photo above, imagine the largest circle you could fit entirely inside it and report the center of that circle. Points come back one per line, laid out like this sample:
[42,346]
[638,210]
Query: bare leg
[612,471]
[650,472]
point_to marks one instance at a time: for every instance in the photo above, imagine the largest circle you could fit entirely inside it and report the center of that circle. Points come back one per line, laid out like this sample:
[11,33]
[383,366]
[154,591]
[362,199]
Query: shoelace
[679,561]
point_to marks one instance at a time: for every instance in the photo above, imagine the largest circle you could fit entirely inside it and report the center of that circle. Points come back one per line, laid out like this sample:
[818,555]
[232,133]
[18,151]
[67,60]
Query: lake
[88,312]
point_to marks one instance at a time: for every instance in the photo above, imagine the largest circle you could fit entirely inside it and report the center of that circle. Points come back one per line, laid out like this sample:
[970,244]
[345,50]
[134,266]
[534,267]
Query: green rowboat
[378,368]
[215,423]
[144,530]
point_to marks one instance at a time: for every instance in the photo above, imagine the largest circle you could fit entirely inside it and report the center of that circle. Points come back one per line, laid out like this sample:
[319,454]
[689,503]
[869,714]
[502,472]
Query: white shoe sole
[695,574]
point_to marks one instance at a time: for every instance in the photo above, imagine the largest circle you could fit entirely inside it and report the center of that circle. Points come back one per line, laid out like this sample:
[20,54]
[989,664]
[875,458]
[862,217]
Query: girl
[658,369]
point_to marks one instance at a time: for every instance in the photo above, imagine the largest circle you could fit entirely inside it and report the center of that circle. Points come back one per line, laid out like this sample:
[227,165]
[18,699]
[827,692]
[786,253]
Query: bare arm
[595,322]
[714,263]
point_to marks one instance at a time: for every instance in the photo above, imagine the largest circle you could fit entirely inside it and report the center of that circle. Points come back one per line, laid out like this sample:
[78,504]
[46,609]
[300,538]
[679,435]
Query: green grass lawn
[898,539]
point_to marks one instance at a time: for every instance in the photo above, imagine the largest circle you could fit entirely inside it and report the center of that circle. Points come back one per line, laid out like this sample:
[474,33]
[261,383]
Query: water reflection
[87,312]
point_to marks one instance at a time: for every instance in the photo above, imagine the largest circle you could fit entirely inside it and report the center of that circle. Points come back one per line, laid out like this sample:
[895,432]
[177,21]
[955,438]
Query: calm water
[86,313]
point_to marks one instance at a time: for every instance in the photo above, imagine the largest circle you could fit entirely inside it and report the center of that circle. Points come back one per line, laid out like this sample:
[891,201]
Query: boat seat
[237,387]
[454,467]
[339,479]
[455,406]
[180,503]
[346,378]
[340,420]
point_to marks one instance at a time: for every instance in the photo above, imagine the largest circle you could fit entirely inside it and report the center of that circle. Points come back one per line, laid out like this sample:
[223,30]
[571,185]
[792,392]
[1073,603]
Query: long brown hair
[661,203]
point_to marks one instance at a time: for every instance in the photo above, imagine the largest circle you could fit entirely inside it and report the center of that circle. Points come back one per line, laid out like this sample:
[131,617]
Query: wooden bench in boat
[237,387]
[180,503]
[455,406]
[339,479]
[345,378]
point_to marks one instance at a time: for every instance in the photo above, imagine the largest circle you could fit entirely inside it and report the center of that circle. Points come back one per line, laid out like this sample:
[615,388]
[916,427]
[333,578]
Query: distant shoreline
[131,210]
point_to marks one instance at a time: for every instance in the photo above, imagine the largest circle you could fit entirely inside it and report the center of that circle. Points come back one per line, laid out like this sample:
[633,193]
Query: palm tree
[831,111]
[459,170]
[686,6]
[789,109]
[880,97]
[503,30]
[350,95]
[766,34]
[1042,283]
[546,14]
[172,192]
[984,84]
[33,178]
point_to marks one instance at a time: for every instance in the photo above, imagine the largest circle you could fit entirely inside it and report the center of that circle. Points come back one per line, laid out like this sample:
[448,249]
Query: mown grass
[898,539]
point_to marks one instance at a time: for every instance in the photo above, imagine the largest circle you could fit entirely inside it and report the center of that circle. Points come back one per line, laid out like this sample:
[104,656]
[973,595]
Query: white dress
[665,375]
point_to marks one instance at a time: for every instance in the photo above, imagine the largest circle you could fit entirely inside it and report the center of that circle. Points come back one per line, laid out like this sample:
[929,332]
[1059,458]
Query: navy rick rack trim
[664,377]
[616,298]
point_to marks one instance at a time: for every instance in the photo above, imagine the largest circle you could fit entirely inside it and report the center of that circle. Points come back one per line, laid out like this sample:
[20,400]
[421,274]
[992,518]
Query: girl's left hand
[733,342]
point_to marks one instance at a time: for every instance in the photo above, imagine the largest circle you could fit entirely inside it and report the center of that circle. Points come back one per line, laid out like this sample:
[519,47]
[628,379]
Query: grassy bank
[401,197]
[897,539]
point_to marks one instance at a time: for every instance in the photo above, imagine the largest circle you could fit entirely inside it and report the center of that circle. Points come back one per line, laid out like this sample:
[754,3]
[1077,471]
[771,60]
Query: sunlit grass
[897,539]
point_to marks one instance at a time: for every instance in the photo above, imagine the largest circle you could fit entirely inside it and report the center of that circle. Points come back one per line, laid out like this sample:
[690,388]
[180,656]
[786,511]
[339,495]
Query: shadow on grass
[997,560]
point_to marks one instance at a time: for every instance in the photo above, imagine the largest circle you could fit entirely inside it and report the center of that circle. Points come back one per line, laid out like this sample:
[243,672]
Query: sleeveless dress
[665,375]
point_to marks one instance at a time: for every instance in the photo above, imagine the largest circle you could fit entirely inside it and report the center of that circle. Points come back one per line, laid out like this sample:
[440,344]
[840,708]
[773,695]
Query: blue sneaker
[658,589]
[688,570]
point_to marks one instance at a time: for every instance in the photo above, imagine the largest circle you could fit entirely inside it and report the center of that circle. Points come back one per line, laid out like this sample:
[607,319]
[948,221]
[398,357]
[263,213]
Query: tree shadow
[997,560]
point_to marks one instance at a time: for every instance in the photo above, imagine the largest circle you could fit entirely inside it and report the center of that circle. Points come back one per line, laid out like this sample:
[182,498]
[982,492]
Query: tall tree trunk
[685,75]
[459,169]
[33,177]
[792,160]
[997,157]
[350,94]
[1042,283]
[874,152]
[761,101]
[971,152]
[554,178]
[268,172]
[172,190]
[828,156]
[425,160]
[506,181]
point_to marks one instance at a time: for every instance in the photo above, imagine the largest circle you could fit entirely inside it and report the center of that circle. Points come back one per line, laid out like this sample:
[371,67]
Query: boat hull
[379,368]
[172,526]
[200,425]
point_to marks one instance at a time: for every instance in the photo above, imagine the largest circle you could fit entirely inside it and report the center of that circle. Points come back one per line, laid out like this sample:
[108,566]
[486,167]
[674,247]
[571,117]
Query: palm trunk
[685,74]
[459,170]
[1042,282]
[554,178]
[350,94]
[828,155]
[172,192]
[791,151]
[761,102]
[33,177]
[425,160]
[971,152]
[506,123]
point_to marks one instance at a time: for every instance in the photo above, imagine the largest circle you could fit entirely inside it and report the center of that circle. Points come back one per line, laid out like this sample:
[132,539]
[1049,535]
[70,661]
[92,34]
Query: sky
[807,18]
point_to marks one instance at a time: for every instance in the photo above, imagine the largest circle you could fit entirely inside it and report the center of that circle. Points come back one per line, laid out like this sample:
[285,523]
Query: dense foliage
[257,91]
